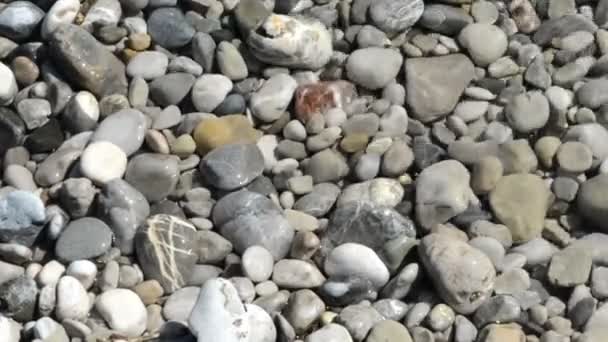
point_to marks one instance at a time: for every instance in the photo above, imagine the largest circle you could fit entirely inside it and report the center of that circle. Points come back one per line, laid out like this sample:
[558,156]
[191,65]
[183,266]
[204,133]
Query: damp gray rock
[154,175]
[231,167]
[370,76]
[246,219]
[86,62]
[84,238]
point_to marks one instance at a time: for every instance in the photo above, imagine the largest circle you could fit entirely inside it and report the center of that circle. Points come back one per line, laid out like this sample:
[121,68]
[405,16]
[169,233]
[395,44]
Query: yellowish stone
[503,333]
[183,146]
[139,41]
[354,142]
[225,130]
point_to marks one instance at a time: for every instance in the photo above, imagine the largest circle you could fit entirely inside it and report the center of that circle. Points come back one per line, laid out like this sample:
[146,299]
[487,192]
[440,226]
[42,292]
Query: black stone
[12,130]
[46,138]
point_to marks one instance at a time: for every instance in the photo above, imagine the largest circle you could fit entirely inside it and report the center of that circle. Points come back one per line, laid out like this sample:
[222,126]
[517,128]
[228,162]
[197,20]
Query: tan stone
[149,291]
[502,333]
[354,142]
[139,41]
[229,129]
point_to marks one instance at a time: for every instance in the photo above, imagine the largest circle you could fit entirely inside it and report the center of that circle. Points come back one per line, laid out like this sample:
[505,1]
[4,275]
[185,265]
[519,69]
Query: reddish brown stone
[319,97]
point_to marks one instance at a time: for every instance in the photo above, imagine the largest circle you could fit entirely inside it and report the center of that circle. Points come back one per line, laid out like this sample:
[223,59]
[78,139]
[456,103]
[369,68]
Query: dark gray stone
[169,28]
[171,89]
[84,238]
[12,130]
[18,298]
[86,62]
[320,201]
[233,166]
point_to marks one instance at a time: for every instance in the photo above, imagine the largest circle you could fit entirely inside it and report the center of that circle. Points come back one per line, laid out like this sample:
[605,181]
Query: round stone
[81,113]
[102,162]
[484,42]
[209,91]
[123,310]
[395,15]
[373,76]
[169,28]
[575,157]
[353,259]
[231,167]
[85,238]
[528,112]
[257,263]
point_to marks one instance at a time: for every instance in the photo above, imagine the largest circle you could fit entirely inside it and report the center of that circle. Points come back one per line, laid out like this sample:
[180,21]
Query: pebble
[84,238]
[574,157]
[257,263]
[72,299]
[296,274]
[330,332]
[148,65]
[209,91]
[518,112]
[272,99]
[395,16]
[352,259]
[233,166]
[114,129]
[168,28]
[436,251]
[520,201]
[180,304]
[165,248]
[123,311]
[229,129]
[570,267]
[84,271]
[363,74]
[154,175]
[172,88]
[483,54]
[102,162]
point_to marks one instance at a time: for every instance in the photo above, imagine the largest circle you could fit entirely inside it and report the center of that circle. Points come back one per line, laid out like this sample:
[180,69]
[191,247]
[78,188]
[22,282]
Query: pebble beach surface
[304,171]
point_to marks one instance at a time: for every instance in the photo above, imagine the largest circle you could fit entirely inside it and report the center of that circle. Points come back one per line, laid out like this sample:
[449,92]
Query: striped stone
[165,247]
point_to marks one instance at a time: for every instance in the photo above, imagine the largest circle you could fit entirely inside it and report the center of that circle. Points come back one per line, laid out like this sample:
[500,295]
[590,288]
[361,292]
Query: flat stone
[87,62]
[434,84]
[450,263]
[165,248]
[125,129]
[85,238]
[171,89]
[570,267]
[231,167]
[373,76]
[352,259]
[520,202]
[247,219]
[154,175]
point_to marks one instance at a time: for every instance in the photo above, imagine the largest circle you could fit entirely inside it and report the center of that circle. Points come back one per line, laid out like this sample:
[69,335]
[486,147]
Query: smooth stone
[230,61]
[296,274]
[395,16]
[123,311]
[359,319]
[209,91]
[229,129]
[102,162]
[180,303]
[10,330]
[443,192]
[72,299]
[97,70]
[434,84]
[593,135]
[245,224]
[319,201]
[123,208]
[231,167]
[81,113]
[166,248]
[570,267]
[19,177]
[103,12]
[148,65]
[171,89]
[327,166]
[330,333]
[168,28]
[520,202]
[528,112]
[352,259]
[272,99]
[154,175]
[373,76]
[450,263]
[574,157]
[125,129]
[12,128]
[62,12]
[257,263]
[218,314]
[484,42]
[46,329]
[22,215]
[9,87]
[592,93]
[84,271]
[287,43]
[19,19]
[84,238]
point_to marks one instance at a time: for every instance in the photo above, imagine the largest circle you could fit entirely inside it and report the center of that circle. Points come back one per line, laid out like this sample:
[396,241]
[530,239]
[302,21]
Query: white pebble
[257,263]
[83,270]
[9,330]
[103,161]
[50,273]
[62,12]
[123,310]
[353,259]
[8,86]
[72,299]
